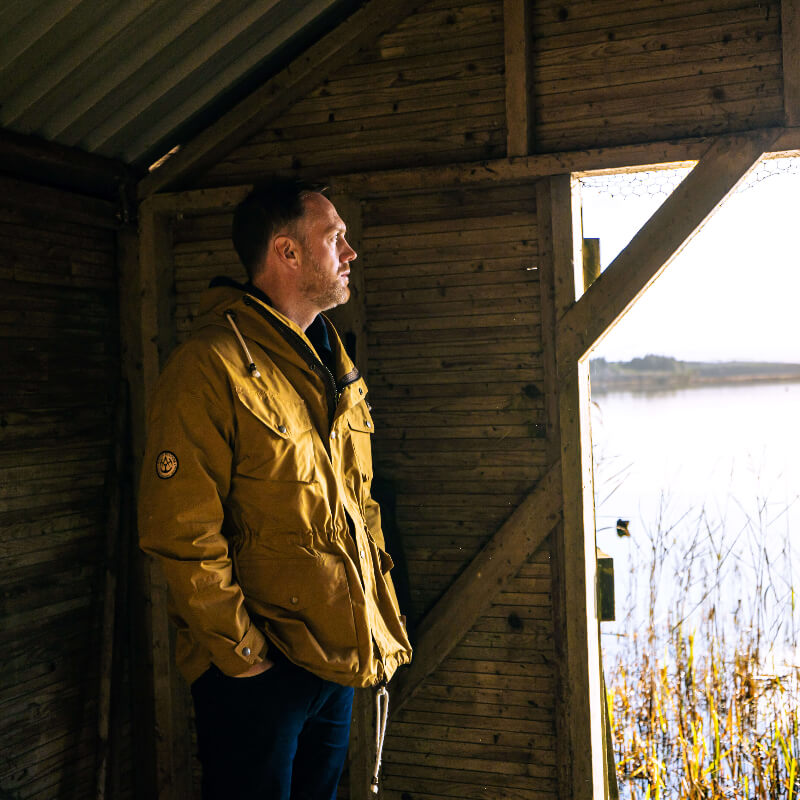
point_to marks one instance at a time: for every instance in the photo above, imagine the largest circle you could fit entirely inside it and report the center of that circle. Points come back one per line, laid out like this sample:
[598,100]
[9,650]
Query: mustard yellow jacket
[249,476]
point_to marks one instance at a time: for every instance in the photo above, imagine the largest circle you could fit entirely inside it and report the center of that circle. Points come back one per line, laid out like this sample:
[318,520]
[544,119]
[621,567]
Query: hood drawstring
[251,366]
[381,714]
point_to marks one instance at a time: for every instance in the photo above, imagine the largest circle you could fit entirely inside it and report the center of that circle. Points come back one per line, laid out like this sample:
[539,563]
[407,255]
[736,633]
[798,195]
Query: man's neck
[298,311]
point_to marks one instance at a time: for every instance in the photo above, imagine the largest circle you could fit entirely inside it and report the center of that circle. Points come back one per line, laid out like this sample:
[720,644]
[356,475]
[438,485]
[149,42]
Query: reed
[703,697]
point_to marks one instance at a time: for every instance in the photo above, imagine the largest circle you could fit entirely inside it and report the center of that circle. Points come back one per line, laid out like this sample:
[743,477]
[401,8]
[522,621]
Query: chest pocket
[361,428]
[275,440]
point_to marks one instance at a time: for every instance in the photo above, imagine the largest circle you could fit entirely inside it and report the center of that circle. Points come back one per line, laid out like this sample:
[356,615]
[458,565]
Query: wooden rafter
[280,92]
[719,171]
[790,34]
[482,580]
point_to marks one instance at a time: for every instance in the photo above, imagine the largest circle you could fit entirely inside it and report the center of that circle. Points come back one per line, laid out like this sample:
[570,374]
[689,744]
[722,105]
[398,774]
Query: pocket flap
[283,417]
[359,419]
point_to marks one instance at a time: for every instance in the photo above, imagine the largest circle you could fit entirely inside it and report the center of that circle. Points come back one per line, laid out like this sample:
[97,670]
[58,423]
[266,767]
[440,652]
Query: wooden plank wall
[610,72]
[455,378]
[429,92]
[59,359]
[202,249]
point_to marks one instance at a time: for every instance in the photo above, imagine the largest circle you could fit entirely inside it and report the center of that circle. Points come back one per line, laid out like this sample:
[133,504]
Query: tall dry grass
[703,696]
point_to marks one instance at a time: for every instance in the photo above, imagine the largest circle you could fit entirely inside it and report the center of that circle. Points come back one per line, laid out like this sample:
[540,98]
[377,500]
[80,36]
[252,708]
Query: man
[255,499]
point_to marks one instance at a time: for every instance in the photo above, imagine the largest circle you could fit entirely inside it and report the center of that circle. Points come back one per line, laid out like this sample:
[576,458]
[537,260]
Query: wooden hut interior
[451,134]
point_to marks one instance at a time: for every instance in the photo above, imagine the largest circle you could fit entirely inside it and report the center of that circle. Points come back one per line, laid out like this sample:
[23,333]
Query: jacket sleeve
[186,476]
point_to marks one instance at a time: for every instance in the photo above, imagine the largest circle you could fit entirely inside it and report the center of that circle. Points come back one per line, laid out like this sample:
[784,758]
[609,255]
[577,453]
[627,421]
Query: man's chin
[338,298]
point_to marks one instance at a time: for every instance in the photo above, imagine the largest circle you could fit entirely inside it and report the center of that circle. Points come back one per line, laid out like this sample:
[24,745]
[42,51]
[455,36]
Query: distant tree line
[665,372]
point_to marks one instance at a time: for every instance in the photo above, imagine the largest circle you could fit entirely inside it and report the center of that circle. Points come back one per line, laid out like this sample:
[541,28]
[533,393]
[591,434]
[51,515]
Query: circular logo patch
[166,464]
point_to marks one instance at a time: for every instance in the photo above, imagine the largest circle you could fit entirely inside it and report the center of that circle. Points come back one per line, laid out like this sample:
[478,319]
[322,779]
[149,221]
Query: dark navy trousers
[281,735]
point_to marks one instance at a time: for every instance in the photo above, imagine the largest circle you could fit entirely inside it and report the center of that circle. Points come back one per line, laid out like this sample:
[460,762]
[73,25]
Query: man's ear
[285,248]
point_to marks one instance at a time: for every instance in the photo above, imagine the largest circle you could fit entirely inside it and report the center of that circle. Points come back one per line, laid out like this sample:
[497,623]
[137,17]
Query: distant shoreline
[663,373]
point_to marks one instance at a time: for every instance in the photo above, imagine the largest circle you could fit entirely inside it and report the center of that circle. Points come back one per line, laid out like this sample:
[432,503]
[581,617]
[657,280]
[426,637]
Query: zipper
[316,364]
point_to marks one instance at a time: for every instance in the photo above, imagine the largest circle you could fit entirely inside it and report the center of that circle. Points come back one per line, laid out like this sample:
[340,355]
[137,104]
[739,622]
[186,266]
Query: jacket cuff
[251,649]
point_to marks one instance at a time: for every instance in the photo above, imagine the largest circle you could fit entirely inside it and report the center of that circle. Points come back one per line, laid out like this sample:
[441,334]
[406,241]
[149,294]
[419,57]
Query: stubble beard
[323,292]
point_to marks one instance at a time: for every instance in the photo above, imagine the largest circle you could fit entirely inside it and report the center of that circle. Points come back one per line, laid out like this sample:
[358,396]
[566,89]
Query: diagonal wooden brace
[483,579]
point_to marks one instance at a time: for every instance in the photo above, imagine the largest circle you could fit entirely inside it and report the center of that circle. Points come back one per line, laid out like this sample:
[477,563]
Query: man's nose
[349,254]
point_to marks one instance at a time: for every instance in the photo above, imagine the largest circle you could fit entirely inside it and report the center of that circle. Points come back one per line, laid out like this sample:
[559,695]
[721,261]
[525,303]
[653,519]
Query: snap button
[333,434]
[360,390]
[246,651]
[282,428]
[294,601]
[369,424]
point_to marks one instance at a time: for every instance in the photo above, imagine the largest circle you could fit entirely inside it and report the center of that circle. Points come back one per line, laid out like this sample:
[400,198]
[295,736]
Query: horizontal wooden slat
[58,323]
[634,23]
[466,765]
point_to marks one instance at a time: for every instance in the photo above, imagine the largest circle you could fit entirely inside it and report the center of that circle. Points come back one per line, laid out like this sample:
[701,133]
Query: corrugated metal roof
[128,78]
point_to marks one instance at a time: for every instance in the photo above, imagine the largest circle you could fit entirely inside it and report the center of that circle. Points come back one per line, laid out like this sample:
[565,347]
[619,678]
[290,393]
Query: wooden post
[790,30]
[146,284]
[582,691]
[519,102]
[141,665]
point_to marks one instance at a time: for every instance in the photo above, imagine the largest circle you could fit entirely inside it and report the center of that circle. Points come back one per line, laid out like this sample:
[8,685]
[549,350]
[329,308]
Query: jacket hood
[225,296]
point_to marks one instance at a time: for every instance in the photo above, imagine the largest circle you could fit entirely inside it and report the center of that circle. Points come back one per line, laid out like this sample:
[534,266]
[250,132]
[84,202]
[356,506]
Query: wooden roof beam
[726,163]
[59,204]
[30,158]
[612,159]
[280,92]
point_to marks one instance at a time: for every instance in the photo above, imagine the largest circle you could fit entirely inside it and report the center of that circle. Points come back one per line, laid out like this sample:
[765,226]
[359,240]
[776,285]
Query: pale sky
[731,294]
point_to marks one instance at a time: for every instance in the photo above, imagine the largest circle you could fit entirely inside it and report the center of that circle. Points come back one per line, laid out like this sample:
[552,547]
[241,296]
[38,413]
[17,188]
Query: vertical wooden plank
[583,693]
[351,318]
[519,103]
[790,34]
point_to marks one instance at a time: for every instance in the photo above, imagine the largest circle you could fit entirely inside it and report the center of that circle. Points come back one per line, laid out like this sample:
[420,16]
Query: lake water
[710,479]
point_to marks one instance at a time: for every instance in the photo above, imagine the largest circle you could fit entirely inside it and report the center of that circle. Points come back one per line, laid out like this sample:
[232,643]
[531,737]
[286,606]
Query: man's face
[326,255]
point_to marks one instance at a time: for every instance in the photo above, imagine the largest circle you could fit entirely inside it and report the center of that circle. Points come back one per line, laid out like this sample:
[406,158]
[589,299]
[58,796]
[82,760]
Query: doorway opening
[695,394]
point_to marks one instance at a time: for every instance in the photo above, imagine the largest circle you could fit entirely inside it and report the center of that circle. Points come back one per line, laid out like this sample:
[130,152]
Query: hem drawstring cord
[381,718]
[251,365]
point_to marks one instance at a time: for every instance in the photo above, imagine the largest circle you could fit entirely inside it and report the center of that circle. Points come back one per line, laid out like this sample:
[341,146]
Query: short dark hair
[271,206]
